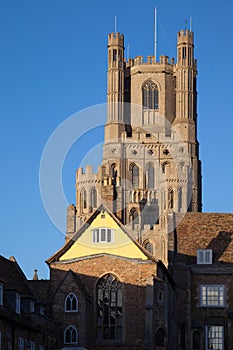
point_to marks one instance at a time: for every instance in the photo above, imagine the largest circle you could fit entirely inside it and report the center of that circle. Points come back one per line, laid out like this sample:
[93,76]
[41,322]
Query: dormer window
[204,256]
[1,294]
[102,235]
[17,303]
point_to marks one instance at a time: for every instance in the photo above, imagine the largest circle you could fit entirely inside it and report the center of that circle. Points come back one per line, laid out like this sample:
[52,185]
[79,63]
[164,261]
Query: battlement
[116,39]
[88,173]
[151,60]
[185,36]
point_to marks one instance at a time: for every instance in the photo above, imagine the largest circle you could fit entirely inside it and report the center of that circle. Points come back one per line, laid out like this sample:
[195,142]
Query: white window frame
[205,295]
[204,256]
[21,343]
[217,328]
[31,345]
[1,293]
[71,295]
[76,335]
[17,303]
[102,235]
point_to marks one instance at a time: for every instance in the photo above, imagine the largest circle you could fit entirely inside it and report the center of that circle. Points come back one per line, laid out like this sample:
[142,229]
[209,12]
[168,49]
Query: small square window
[204,256]
[102,235]
[212,296]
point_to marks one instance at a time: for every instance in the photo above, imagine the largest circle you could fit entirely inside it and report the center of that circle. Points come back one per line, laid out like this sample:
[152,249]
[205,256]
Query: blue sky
[53,62]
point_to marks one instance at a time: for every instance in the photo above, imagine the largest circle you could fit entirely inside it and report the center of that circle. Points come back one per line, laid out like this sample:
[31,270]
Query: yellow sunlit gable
[116,242]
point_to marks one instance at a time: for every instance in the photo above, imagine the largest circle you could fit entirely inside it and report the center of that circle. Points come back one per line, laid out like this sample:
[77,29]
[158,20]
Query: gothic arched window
[113,170]
[196,340]
[150,176]
[150,95]
[109,308]
[170,198]
[133,216]
[160,337]
[134,169]
[163,199]
[148,246]
[71,335]
[180,199]
[114,173]
[71,303]
[83,199]
[93,198]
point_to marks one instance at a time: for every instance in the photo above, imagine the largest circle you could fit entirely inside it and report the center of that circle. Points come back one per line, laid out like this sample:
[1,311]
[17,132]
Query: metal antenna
[191,23]
[155,33]
[128,53]
[115,25]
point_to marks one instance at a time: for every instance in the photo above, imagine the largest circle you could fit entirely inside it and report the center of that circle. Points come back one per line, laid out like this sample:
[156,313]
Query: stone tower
[150,168]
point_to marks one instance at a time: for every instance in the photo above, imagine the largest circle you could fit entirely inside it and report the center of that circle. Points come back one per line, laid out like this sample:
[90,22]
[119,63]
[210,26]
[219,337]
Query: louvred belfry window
[109,309]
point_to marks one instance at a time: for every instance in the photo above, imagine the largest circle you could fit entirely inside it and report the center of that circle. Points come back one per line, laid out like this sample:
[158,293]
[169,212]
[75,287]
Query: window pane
[103,235]
[212,296]
[109,235]
[150,96]
[151,175]
[70,335]
[135,176]
[215,337]
[109,308]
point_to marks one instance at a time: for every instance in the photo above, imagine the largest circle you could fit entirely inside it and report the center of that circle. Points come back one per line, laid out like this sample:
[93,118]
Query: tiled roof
[40,289]
[12,276]
[205,231]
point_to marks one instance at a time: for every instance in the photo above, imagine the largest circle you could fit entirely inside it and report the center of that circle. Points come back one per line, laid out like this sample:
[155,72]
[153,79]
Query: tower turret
[115,93]
[186,86]
[186,117]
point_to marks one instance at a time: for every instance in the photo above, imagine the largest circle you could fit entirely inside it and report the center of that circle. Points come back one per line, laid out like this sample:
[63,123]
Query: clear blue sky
[53,62]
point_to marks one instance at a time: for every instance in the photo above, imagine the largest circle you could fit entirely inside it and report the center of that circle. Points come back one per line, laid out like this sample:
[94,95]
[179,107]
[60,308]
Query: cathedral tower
[150,169]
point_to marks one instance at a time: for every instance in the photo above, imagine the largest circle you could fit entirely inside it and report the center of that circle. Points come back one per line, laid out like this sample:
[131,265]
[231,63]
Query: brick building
[23,323]
[142,267]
